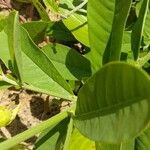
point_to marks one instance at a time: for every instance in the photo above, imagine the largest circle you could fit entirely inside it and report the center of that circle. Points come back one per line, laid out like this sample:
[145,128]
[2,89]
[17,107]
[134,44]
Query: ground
[35,107]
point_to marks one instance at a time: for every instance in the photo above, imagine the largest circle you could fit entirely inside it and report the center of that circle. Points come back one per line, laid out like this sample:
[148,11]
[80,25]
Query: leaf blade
[137,32]
[107,98]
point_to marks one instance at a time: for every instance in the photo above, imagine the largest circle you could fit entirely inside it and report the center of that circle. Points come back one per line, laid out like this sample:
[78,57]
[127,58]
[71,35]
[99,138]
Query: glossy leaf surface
[45,76]
[114,105]
[100,19]
[113,48]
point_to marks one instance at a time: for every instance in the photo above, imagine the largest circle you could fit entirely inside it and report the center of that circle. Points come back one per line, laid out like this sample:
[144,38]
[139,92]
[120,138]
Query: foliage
[111,110]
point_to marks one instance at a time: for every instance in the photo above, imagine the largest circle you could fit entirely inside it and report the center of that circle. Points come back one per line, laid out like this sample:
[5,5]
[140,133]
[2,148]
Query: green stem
[76,9]
[68,137]
[34,130]
[41,10]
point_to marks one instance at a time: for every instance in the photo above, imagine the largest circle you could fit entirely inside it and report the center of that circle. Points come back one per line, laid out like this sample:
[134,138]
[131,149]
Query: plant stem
[68,137]
[76,9]
[41,10]
[34,130]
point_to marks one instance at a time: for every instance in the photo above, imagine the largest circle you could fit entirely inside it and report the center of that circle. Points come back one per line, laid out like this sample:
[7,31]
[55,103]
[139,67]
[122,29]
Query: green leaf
[60,32]
[39,73]
[81,142]
[113,48]
[126,54]
[142,141]
[53,138]
[69,63]
[143,60]
[14,42]
[37,29]
[4,85]
[113,105]
[126,42]
[68,135]
[41,10]
[100,19]
[123,146]
[4,49]
[51,5]
[104,146]
[76,23]
[132,17]
[45,78]
[3,21]
[137,31]
[146,31]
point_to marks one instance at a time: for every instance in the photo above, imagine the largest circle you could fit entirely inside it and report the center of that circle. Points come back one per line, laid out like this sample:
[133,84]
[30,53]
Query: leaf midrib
[109,110]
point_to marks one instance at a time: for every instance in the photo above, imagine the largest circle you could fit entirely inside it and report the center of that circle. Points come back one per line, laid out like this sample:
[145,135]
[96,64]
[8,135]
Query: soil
[35,108]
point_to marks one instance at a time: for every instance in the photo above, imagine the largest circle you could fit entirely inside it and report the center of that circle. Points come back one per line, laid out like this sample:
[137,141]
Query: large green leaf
[100,19]
[113,49]
[39,72]
[53,138]
[138,28]
[114,104]
[45,78]
[14,42]
[69,63]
